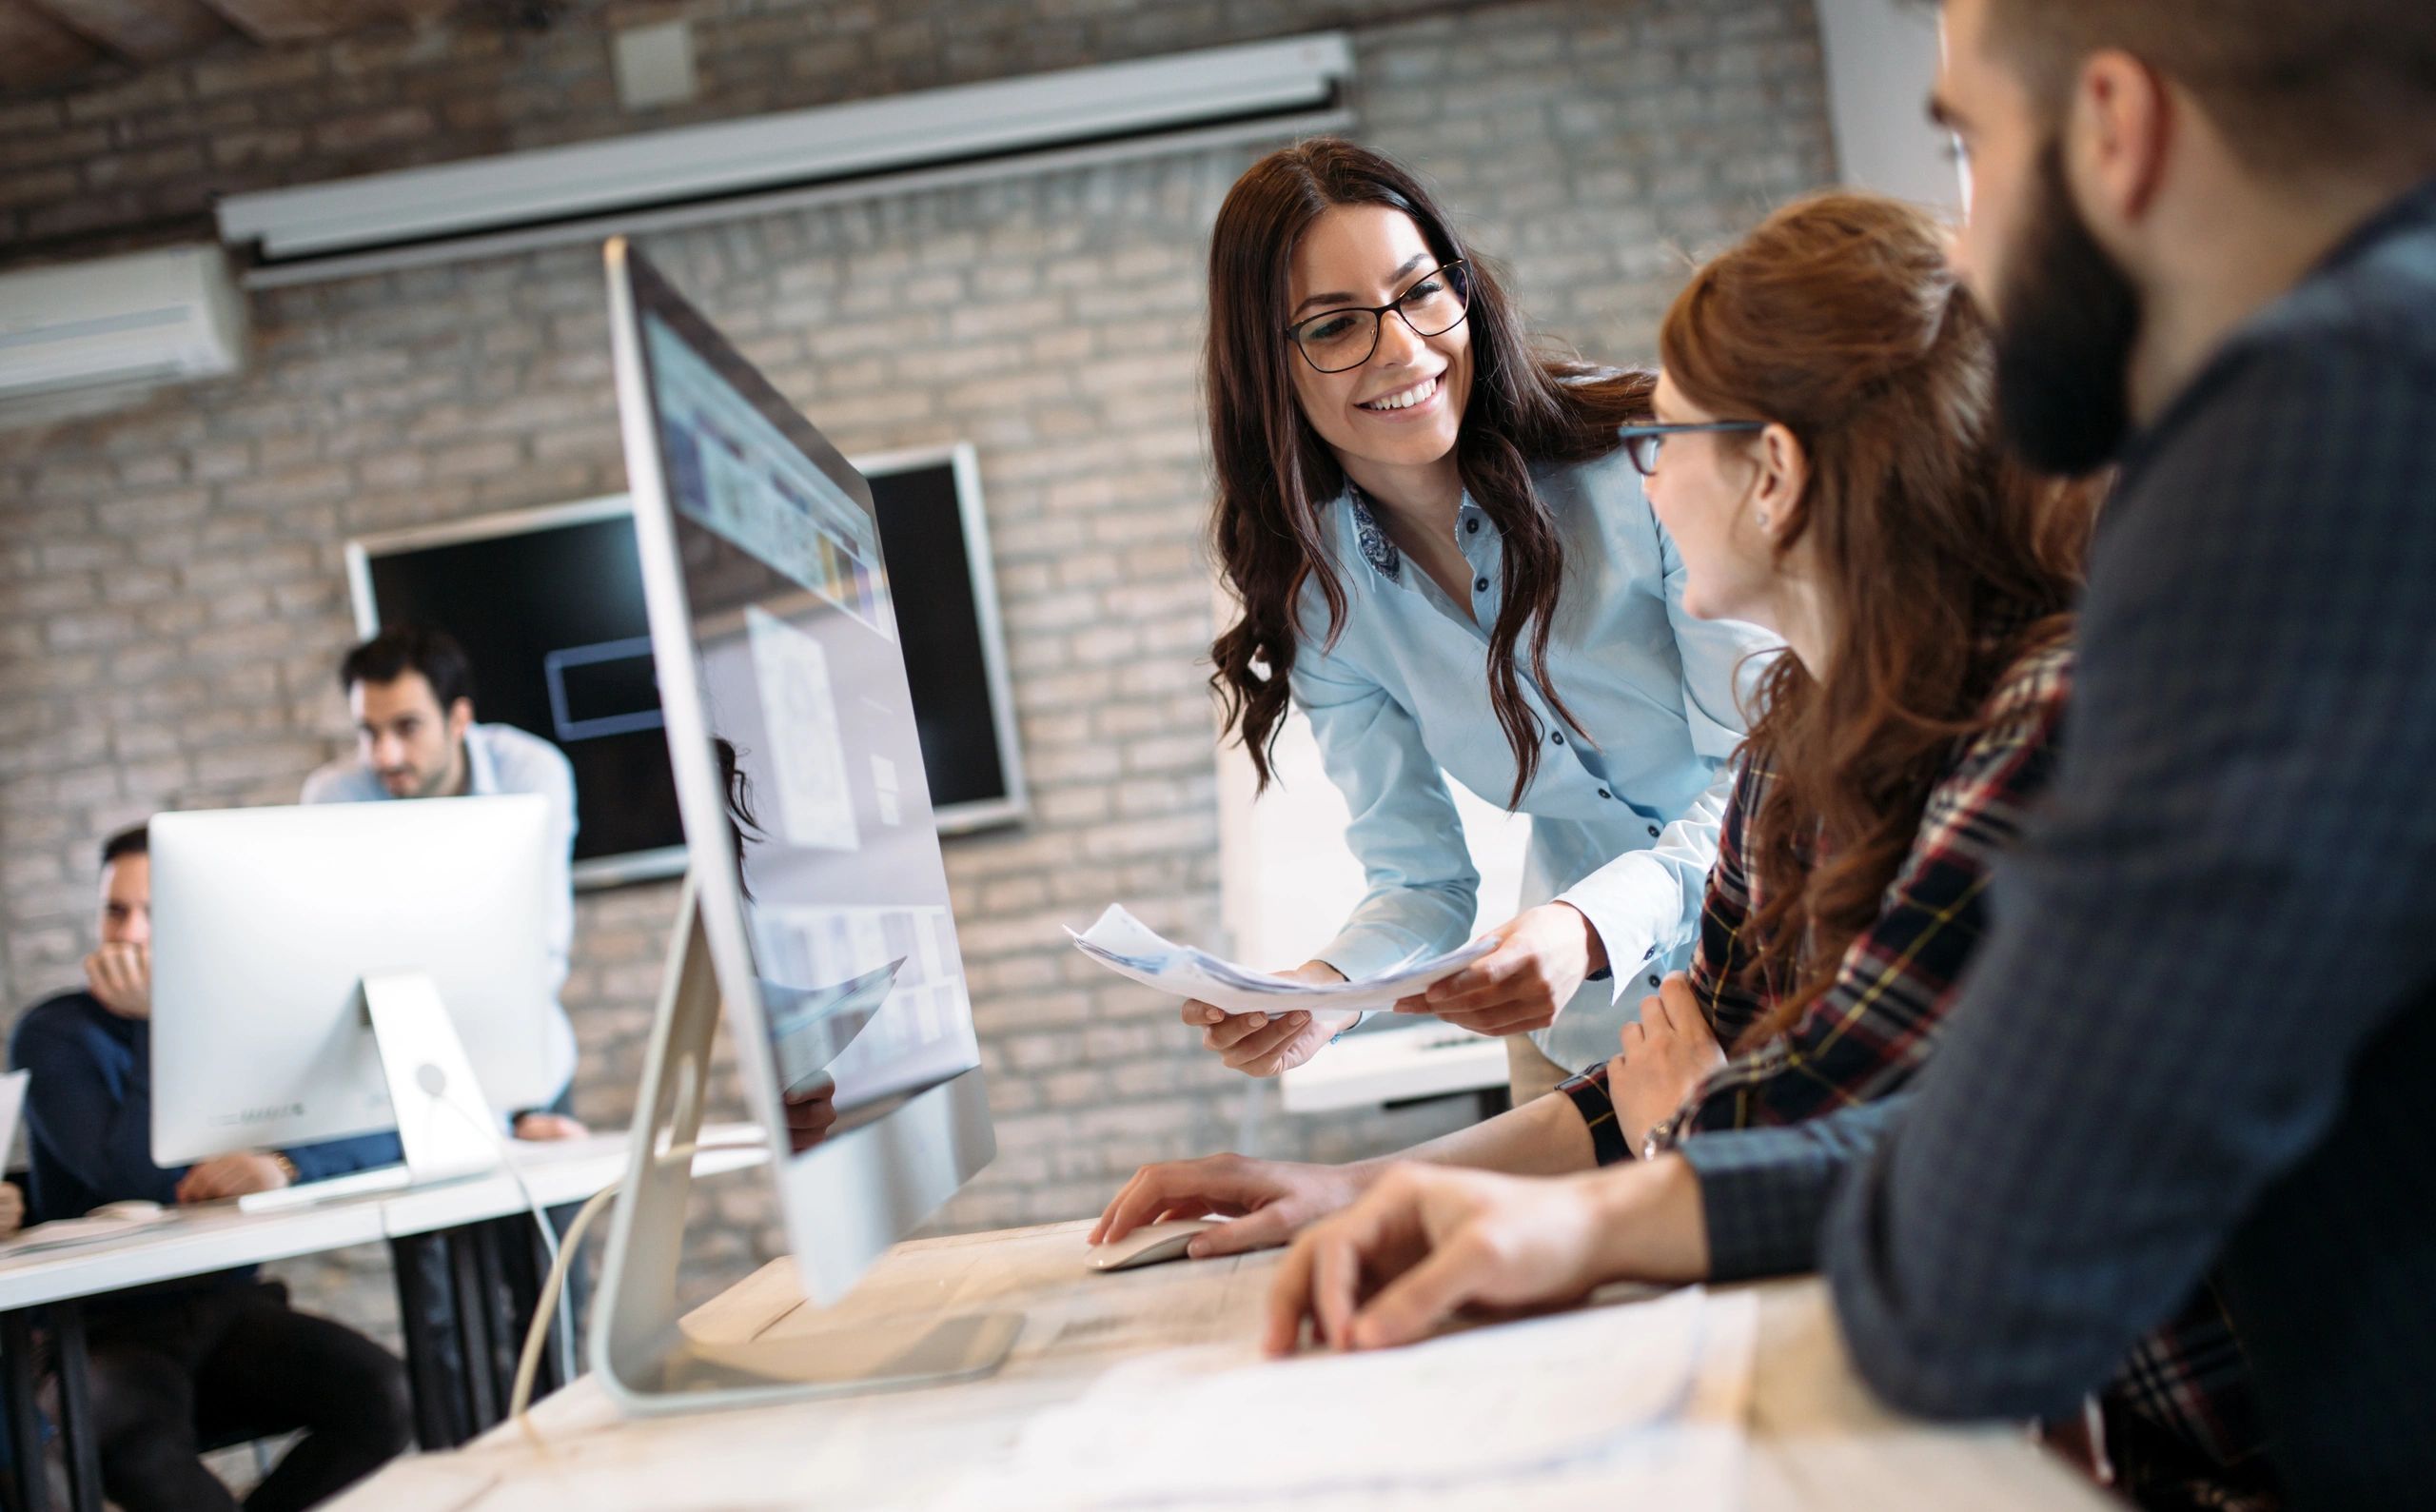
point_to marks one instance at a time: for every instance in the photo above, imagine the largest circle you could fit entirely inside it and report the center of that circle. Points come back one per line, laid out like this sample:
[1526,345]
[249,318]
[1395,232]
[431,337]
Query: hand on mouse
[1268,1200]
[231,1176]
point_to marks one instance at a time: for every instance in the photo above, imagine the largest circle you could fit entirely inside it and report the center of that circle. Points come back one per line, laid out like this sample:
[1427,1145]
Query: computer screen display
[857,986]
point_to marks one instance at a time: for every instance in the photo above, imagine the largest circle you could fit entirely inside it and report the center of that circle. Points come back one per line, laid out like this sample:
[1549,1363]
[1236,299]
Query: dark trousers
[174,1375]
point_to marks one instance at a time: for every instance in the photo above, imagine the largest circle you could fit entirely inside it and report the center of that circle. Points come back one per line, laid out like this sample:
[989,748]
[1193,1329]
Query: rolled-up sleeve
[1423,889]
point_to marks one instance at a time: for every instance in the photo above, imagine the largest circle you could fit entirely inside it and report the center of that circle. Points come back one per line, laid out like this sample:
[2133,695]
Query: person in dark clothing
[2195,1042]
[211,1359]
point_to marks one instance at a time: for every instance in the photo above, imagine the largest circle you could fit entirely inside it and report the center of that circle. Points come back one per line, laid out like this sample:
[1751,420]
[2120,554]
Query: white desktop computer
[337,970]
[815,905]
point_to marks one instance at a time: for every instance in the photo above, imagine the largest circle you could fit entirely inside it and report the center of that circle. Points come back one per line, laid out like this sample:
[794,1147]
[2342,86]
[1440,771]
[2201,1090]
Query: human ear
[1781,477]
[2119,130]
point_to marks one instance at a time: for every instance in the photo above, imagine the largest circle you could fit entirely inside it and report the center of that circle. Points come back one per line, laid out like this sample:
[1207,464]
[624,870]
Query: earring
[1763,517]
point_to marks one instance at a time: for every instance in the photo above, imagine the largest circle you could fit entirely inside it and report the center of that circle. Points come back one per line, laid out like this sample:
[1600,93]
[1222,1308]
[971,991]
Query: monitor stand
[445,1125]
[647,1363]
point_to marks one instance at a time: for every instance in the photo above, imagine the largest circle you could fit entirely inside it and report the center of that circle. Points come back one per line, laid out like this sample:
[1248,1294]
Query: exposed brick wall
[171,593]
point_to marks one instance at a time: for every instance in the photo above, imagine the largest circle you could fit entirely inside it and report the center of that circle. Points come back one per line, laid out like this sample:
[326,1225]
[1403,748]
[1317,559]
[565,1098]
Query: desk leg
[20,1382]
[76,1439]
[435,1359]
[473,1303]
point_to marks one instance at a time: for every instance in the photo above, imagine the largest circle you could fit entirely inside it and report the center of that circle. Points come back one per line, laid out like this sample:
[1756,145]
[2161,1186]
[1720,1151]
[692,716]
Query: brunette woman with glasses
[1440,556]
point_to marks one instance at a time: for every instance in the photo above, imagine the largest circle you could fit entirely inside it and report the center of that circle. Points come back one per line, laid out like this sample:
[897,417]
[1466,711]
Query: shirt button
[1653,981]
[1556,738]
[1653,831]
[1471,527]
[1647,953]
[1479,585]
[1604,793]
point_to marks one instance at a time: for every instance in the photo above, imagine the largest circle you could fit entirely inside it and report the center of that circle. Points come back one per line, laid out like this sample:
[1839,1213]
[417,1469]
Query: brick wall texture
[171,591]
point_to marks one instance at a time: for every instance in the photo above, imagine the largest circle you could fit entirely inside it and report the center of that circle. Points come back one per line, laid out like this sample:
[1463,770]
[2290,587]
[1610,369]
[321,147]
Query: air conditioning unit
[146,317]
[689,175]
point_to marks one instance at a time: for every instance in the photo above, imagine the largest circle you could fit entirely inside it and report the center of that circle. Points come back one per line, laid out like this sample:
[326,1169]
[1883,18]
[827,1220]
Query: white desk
[198,1240]
[1818,1442]
[1429,1059]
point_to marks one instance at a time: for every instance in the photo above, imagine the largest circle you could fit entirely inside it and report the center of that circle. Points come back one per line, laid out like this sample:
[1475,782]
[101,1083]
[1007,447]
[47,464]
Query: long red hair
[1943,560]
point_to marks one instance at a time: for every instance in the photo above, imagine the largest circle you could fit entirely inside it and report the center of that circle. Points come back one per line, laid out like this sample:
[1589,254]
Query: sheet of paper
[816,801]
[1639,1404]
[1131,948]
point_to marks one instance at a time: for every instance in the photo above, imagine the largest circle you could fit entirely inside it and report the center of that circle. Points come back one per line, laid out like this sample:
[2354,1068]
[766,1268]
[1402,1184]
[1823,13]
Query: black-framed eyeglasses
[1642,442]
[1335,341]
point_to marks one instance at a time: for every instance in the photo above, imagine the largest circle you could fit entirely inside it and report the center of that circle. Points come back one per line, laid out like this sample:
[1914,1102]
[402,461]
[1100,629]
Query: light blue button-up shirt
[502,759]
[1623,824]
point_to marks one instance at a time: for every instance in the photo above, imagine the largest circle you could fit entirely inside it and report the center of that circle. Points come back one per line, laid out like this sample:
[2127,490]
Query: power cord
[550,1243]
[528,1363]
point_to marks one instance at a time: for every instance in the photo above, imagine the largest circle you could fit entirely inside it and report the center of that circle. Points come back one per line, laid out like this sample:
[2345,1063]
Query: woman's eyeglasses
[1642,442]
[1336,341]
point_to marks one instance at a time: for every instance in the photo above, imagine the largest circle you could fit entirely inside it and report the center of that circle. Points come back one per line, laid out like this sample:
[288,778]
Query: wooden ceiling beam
[271,22]
[140,31]
[38,54]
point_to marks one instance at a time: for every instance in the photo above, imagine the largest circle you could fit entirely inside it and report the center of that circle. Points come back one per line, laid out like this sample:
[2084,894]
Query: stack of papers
[1131,948]
[1643,1404]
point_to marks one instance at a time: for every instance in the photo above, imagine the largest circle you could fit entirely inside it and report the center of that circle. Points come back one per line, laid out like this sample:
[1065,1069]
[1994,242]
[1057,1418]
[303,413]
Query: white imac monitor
[812,847]
[268,923]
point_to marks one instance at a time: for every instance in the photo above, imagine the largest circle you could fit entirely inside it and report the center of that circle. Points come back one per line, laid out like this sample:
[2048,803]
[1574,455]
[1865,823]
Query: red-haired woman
[1441,558]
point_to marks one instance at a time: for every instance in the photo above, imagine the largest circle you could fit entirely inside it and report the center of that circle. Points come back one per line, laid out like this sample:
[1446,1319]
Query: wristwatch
[287,1167]
[1661,1138]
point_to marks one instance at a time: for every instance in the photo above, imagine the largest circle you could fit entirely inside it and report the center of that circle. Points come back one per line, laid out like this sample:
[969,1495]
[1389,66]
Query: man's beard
[2066,323]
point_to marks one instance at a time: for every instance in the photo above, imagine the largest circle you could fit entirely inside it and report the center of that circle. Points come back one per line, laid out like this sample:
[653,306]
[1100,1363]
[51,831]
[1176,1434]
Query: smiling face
[1707,492]
[1401,410]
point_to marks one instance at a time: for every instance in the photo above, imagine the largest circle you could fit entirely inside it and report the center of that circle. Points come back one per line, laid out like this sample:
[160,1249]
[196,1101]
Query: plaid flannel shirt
[2181,1423]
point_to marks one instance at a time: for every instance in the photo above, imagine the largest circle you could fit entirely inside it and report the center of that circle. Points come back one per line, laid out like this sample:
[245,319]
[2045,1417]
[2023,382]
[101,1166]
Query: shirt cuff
[1765,1192]
[1633,908]
[1588,1093]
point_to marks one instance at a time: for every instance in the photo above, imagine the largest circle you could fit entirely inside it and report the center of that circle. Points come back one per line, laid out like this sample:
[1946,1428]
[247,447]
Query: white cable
[528,1363]
[541,1221]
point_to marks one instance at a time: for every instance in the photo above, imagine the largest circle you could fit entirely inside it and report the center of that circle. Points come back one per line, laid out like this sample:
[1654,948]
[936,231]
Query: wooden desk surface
[1820,1443]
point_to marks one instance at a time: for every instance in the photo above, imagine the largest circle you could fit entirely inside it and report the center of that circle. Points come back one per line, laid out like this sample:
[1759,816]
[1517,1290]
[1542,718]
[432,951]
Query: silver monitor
[817,889]
[269,922]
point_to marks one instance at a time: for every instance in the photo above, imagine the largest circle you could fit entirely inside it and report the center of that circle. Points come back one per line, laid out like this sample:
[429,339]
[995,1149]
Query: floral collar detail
[1377,549]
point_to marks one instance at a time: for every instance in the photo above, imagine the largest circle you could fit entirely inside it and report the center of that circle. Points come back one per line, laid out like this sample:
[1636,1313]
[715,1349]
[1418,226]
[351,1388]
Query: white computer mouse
[1150,1244]
[132,1210]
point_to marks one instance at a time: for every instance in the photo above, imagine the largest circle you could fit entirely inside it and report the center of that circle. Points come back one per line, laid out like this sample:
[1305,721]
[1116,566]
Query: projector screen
[548,604]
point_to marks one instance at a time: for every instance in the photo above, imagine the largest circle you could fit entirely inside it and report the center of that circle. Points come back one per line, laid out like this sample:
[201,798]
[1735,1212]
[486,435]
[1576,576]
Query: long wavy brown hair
[1276,477]
[1943,561]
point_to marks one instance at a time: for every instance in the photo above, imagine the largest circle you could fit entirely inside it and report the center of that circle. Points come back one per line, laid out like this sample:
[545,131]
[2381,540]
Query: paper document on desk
[1131,948]
[1641,1405]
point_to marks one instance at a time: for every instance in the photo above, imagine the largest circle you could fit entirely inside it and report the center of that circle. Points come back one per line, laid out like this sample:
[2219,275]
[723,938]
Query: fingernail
[1260,1021]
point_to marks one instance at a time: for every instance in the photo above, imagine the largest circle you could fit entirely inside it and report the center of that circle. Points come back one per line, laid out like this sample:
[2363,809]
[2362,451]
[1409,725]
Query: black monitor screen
[551,617]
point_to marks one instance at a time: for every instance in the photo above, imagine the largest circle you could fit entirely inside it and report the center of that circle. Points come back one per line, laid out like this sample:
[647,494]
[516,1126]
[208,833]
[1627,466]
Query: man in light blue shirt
[411,694]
